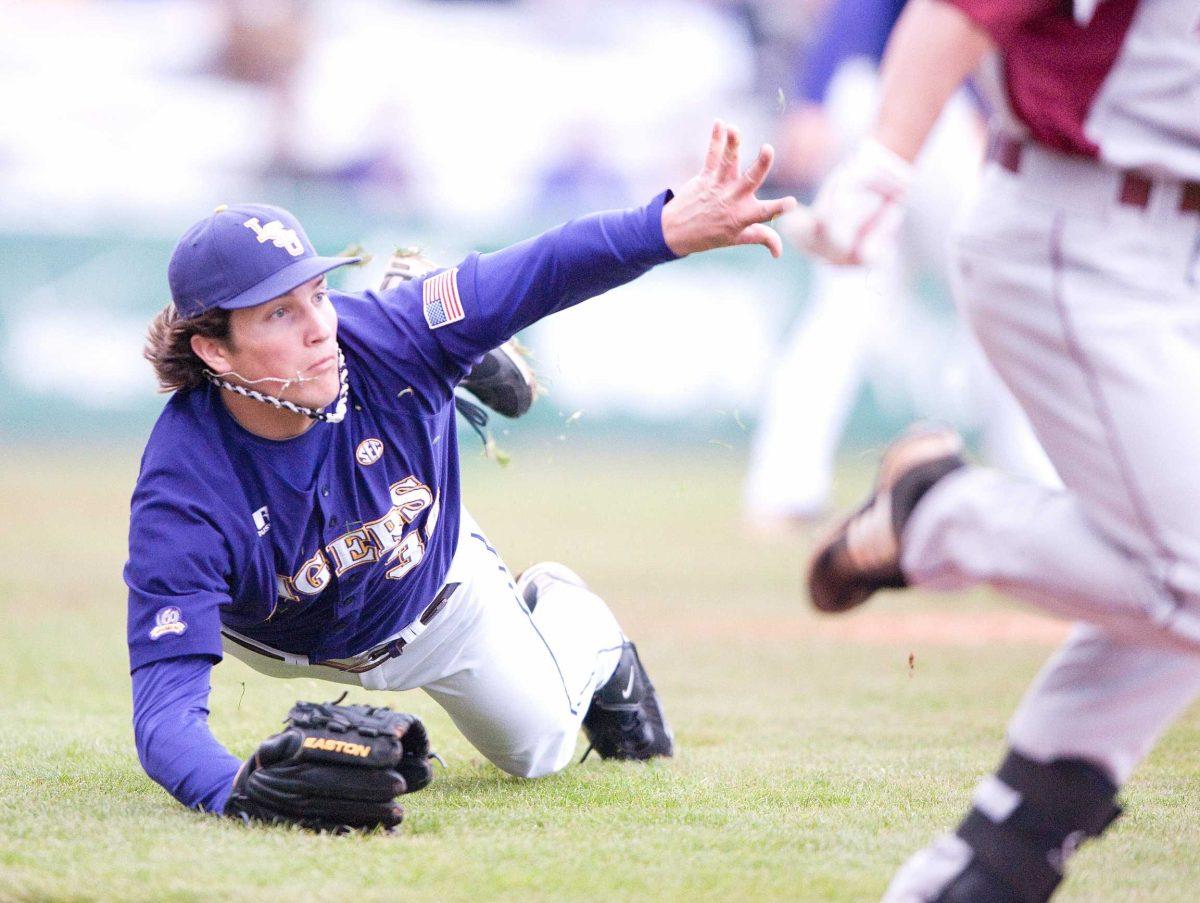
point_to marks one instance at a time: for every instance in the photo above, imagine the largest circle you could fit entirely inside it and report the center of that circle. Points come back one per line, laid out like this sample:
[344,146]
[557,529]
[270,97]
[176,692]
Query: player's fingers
[758,234]
[768,210]
[799,227]
[716,147]
[729,160]
[753,177]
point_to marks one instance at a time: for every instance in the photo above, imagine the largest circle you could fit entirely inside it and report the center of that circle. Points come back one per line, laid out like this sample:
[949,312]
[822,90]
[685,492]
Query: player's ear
[214,353]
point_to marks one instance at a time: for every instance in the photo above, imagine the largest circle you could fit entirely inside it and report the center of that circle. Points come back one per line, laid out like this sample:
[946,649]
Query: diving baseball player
[299,507]
[1079,267]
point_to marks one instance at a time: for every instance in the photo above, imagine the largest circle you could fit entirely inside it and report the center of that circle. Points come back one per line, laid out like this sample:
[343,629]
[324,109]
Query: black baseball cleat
[625,719]
[503,381]
[862,554]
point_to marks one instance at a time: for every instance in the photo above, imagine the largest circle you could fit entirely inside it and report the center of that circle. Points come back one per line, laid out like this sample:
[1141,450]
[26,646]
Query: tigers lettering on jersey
[372,541]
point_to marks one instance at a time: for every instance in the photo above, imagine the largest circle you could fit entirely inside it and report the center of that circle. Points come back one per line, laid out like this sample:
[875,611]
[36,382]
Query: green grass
[808,766]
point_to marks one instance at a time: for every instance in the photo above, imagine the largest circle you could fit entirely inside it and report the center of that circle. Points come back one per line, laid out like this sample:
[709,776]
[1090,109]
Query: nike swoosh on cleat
[629,687]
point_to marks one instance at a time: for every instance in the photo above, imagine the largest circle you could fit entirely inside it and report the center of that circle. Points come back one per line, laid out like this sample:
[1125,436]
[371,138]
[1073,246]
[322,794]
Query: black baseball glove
[334,768]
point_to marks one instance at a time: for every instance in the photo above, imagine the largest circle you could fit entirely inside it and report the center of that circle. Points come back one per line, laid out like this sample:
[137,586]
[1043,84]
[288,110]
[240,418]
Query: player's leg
[518,693]
[1089,718]
[625,718]
[1039,545]
[1007,441]
[1104,368]
[1090,320]
[936,522]
[1101,350]
[812,390]
[516,682]
[1105,700]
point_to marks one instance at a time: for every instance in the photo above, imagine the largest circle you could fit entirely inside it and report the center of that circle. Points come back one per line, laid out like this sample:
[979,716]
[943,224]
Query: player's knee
[545,577]
[525,768]
[1026,821]
[550,753]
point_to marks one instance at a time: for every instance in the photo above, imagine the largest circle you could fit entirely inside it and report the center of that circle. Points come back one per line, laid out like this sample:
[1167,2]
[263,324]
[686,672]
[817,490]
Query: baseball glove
[334,768]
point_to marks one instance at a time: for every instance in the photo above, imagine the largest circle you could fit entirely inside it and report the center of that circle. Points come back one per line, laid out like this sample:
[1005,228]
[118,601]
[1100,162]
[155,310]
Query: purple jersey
[329,543]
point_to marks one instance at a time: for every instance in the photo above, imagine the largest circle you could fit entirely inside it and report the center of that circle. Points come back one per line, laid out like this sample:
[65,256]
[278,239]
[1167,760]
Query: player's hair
[169,346]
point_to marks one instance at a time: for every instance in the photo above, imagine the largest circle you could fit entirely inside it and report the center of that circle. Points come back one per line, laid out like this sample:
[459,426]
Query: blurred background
[453,126]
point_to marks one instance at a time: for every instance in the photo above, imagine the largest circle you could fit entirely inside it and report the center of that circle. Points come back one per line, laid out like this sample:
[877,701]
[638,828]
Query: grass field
[813,755]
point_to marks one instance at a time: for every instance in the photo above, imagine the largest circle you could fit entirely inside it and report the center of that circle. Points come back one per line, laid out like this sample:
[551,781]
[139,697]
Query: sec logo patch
[369,451]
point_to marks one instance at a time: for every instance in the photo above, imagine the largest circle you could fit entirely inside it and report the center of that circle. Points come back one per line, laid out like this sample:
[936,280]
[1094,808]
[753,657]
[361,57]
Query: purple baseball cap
[243,255]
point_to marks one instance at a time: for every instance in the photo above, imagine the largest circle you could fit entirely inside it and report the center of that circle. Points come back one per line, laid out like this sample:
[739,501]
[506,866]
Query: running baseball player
[1078,267]
[299,507]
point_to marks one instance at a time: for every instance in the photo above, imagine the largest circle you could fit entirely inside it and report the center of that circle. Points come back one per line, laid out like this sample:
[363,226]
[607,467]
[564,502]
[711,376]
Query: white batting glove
[857,211]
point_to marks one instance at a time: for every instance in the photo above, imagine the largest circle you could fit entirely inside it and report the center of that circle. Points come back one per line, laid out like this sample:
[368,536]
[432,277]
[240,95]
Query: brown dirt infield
[876,628]
[945,628]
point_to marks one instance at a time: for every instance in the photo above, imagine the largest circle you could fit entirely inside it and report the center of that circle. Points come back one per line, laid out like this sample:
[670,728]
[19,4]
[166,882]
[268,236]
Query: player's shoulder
[188,416]
[411,308]
[380,329]
[361,313]
[185,442]
[364,311]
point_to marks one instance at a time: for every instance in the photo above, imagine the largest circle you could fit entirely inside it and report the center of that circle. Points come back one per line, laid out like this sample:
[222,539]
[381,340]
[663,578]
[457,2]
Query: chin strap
[334,416]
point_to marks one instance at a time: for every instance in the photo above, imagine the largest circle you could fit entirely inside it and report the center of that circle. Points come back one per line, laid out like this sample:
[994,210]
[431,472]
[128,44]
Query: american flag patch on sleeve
[439,296]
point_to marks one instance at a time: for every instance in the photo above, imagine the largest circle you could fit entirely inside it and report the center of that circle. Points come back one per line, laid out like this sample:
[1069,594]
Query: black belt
[373,657]
[1135,187]
[377,655]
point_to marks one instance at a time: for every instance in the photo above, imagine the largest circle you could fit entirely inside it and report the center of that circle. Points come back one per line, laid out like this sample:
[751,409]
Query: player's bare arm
[934,47]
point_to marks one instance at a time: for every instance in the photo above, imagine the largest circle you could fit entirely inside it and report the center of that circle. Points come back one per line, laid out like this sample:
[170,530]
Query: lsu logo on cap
[368,452]
[169,620]
[276,234]
[440,300]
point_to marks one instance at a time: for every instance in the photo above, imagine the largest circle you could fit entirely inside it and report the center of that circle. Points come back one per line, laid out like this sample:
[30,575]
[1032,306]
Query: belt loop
[1135,190]
[1189,198]
[1006,151]
[438,601]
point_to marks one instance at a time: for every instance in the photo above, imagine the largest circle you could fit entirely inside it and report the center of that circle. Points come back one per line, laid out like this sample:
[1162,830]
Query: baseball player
[299,505]
[1078,268]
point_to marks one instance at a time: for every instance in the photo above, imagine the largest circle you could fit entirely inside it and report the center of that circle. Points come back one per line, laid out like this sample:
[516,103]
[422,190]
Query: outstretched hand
[718,208]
